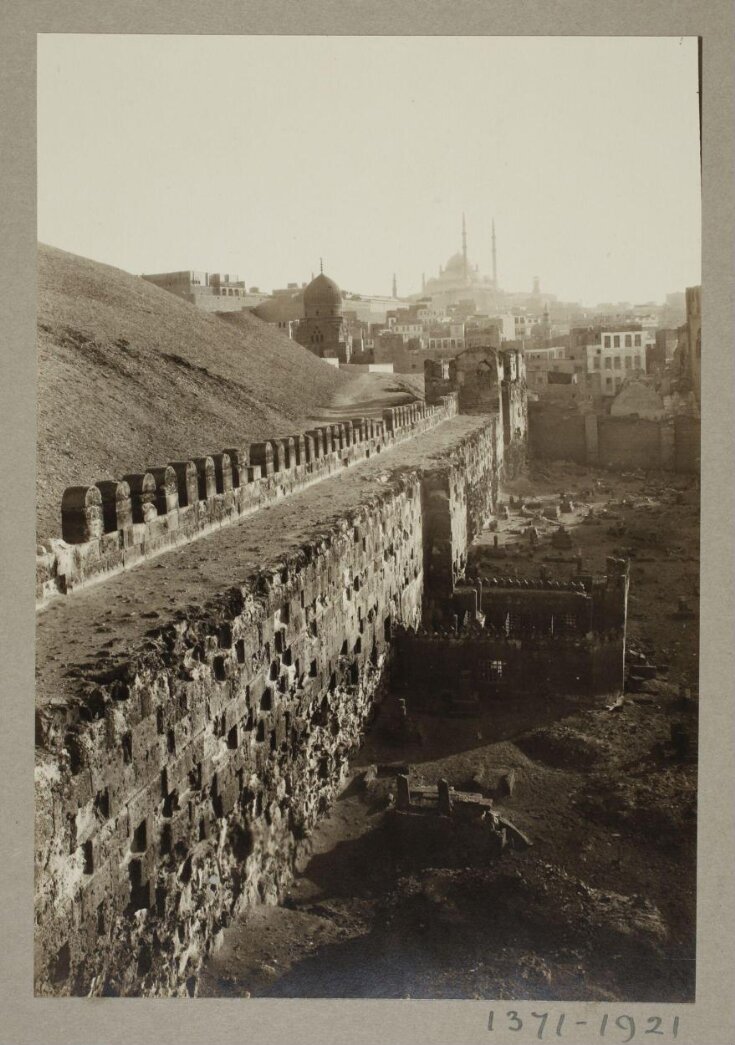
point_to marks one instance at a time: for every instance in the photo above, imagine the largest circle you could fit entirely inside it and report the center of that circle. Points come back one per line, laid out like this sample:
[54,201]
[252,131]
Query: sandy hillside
[130,376]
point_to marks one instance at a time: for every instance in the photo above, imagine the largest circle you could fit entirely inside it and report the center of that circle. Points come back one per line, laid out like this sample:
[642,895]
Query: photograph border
[25,1019]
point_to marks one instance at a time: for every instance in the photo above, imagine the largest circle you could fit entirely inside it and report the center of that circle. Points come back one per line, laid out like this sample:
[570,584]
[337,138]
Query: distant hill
[130,376]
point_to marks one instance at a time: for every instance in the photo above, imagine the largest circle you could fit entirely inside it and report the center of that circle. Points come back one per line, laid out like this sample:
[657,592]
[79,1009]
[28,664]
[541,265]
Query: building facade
[210,291]
[323,329]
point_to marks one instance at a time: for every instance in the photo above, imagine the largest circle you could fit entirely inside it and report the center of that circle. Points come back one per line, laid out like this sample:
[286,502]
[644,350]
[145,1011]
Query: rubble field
[601,904]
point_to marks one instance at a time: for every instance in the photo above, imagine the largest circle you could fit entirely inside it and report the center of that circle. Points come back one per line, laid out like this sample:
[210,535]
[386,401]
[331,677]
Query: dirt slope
[130,376]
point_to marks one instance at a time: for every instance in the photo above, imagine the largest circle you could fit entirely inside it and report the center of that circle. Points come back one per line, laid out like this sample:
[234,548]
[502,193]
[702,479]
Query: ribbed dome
[323,292]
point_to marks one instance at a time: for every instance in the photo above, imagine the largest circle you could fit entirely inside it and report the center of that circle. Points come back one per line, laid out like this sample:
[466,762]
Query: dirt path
[367,395]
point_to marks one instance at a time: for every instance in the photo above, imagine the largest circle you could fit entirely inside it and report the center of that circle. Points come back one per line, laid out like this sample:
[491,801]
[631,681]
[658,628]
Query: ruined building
[510,638]
[487,380]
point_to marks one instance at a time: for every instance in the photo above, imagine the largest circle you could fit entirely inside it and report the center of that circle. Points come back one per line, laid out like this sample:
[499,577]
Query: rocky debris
[498,782]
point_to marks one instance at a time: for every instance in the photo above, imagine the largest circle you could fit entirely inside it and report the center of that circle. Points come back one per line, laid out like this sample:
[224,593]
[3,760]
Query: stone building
[487,380]
[612,356]
[323,329]
[210,291]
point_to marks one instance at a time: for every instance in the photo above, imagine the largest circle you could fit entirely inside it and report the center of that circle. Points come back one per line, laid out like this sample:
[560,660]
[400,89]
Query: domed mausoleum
[322,330]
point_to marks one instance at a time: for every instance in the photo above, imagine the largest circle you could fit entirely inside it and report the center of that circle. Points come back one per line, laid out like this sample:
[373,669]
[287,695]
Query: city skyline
[261,155]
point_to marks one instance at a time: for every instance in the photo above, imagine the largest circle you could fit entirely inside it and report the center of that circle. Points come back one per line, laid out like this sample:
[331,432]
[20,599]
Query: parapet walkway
[79,636]
[113,525]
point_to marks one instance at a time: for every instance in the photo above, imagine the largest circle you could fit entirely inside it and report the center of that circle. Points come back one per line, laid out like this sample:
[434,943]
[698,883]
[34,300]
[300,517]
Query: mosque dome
[322,296]
[455,263]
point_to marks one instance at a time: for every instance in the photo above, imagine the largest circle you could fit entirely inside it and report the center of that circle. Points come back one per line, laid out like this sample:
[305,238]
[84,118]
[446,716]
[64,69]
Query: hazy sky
[256,155]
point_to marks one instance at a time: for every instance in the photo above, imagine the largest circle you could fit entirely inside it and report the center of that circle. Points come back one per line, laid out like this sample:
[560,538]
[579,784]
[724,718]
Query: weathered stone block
[187,481]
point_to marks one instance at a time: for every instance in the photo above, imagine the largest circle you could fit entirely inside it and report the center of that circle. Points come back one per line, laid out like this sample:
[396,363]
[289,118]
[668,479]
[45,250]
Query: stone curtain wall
[113,525]
[180,783]
[183,786]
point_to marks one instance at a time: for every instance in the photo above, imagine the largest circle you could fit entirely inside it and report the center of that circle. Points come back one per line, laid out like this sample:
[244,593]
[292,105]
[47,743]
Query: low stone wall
[113,525]
[626,443]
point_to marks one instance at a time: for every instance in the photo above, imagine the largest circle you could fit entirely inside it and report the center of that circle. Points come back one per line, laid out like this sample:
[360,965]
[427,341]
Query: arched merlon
[187,481]
[167,489]
[81,514]
[117,512]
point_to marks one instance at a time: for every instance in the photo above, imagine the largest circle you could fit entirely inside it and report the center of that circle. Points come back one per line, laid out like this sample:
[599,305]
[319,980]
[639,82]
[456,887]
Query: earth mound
[130,376]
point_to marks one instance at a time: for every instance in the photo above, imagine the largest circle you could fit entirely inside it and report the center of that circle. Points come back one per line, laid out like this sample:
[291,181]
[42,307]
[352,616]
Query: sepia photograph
[368,517]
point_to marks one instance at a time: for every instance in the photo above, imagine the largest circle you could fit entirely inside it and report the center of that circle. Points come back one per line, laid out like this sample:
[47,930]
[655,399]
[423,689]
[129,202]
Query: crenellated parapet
[114,524]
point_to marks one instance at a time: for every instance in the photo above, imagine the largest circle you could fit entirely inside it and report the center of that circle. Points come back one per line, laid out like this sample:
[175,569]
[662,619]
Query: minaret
[395,286]
[495,260]
[464,246]
[423,282]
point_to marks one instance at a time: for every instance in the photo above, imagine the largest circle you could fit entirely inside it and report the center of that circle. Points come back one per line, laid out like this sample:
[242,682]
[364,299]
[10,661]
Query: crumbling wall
[563,433]
[114,525]
[515,427]
[629,442]
[687,443]
[473,374]
[181,784]
[556,432]
[459,497]
[491,382]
